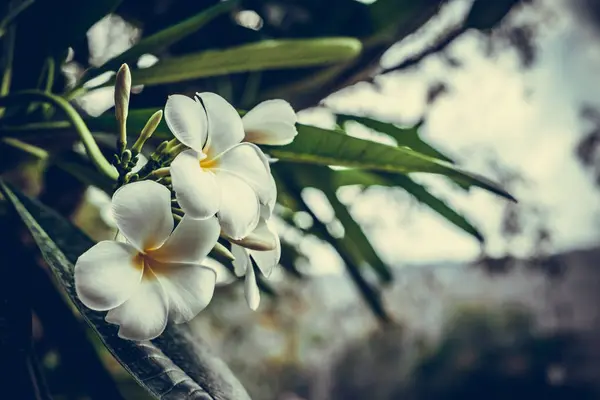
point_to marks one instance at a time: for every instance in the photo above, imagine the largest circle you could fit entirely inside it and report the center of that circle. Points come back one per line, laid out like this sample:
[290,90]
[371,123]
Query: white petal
[242,260]
[225,128]
[239,211]
[251,289]
[142,211]
[267,260]
[245,162]
[190,242]
[144,315]
[196,189]
[106,275]
[272,122]
[187,121]
[261,238]
[189,289]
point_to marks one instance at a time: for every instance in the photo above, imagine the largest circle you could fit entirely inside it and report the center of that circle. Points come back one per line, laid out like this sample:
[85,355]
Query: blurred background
[506,88]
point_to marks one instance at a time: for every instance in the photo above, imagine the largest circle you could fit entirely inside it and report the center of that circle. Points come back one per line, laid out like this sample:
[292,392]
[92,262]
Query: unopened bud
[122,90]
[125,158]
[221,251]
[261,239]
[148,130]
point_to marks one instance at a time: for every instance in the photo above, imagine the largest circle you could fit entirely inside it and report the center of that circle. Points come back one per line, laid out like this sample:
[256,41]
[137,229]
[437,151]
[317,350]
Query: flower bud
[148,130]
[122,90]
[222,251]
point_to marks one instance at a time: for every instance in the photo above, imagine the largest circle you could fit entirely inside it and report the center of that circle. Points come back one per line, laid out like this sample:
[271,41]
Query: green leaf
[327,147]
[322,178]
[419,192]
[265,55]
[408,137]
[174,366]
[296,180]
[164,38]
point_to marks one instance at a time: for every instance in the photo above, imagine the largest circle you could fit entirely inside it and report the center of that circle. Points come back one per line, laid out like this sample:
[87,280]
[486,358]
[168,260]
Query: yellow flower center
[208,163]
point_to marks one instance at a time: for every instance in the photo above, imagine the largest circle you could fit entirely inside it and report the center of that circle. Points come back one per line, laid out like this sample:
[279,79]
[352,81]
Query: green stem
[85,135]
[9,50]
[26,147]
[34,126]
[12,14]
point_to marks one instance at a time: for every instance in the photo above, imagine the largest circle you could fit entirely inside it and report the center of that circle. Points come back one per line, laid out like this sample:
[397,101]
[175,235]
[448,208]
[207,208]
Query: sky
[528,120]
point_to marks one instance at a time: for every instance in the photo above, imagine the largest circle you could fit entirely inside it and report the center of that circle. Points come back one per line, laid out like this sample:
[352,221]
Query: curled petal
[242,260]
[272,122]
[189,289]
[142,211]
[190,242]
[196,189]
[261,238]
[251,289]
[225,128]
[239,210]
[187,121]
[245,162]
[267,260]
[107,275]
[144,316]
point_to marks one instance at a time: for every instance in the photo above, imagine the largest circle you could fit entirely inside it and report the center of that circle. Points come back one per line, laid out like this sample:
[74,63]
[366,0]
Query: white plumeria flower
[156,274]
[219,174]
[272,122]
[263,236]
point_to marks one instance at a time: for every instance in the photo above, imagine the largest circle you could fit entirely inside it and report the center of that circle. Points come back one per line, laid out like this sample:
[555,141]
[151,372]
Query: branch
[442,43]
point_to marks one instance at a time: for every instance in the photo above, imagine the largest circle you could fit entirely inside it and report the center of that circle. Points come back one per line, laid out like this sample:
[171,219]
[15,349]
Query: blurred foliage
[481,353]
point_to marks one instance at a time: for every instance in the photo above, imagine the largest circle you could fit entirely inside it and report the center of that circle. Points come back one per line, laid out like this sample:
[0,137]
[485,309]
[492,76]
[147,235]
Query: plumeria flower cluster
[211,182]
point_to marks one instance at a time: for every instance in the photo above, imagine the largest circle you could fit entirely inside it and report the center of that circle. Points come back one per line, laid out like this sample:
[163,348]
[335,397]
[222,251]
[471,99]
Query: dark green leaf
[166,37]
[322,178]
[326,147]
[297,179]
[419,192]
[265,55]
[177,365]
[408,137]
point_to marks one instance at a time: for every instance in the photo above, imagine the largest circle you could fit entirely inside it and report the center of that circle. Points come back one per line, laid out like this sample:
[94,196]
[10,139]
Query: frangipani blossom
[272,122]
[265,260]
[156,274]
[219,174]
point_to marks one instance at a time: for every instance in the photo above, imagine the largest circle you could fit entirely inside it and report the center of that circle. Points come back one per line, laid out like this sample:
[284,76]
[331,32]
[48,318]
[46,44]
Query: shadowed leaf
[328,147]
[408,137]
[419,192]
[265,55]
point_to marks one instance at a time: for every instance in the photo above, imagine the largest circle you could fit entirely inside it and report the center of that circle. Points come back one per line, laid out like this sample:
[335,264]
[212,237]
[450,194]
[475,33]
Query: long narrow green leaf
[165,38]
[322,178]
[419,192]
[352,260]
[265,55]
[408,137]
[327,147]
